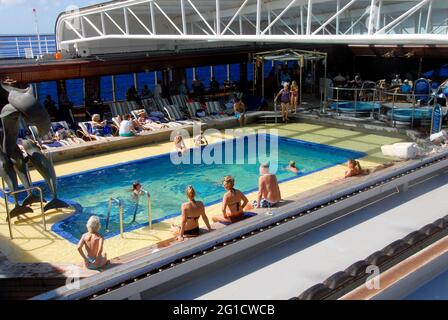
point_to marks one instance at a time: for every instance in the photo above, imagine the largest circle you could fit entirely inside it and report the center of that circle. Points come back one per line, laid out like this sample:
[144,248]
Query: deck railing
[29,46]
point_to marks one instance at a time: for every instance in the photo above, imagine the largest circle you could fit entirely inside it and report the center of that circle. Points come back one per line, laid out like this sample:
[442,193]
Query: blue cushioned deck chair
[422,90]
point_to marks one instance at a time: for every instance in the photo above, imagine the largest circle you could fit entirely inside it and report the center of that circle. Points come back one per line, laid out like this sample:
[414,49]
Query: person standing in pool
[93,243]
[233,203]
[268,189]
[191,212]
[240,111]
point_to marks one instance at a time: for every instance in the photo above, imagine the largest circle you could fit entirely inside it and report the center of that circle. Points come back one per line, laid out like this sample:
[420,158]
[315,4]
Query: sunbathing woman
[233,203]
[148,124]
[98,125]
[93,242]
[355,169]
[191,212]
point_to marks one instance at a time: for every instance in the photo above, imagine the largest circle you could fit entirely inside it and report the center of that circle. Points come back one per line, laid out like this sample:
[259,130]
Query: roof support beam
[234,16]
[308,17]
[429,17]
[218,17]
[336,15]
[167,17]
[74,29]
[258,22]
[184,20]
[411,11]
[371,17]
[139,21]
[115,23]
[200,15]
[93,26]
[279,16]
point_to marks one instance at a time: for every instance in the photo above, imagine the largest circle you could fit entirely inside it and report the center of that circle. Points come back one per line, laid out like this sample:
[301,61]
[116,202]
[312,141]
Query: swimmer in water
[292,167]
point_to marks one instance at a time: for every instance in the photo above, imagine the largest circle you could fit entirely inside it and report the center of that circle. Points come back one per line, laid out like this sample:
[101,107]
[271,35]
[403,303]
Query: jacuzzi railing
[414,100]
[356,95]
[390,102]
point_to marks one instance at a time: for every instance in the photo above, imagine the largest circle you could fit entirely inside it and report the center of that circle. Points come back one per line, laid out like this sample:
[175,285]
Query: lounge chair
[86,131]
[180,100]
[214,108]
[161,103]
[47,141]
[174,114]
[73,139]
[422,90]
[193,107]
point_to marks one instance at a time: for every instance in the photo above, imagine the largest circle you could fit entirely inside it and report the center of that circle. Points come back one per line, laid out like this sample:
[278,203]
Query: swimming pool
[91,190]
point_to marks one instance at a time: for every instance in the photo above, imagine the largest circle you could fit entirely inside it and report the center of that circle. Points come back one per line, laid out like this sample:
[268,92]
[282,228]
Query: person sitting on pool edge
[93,243]
[179,144]
[292,167]
[127,127]
[233,203]
[268,189]
[191,212]
[200,140]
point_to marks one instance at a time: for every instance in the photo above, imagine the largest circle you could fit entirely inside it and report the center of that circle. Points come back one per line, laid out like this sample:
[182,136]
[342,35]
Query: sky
[16,16]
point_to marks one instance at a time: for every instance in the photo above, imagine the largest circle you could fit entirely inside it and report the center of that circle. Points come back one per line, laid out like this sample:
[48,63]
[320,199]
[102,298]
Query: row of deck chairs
[51,139]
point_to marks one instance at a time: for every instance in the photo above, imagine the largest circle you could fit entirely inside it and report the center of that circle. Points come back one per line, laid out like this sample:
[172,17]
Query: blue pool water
[406,114]
[360,106]
[90,191]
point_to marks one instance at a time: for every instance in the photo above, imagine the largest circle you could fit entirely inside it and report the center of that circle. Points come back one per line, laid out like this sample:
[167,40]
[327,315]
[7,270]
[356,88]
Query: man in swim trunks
[93,243]
[240,111]
[268,189]
[233,203]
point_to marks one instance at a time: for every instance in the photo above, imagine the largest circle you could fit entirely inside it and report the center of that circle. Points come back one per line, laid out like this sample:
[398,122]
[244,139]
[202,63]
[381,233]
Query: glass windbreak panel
[106,88]
[123,82]
[203,74]
[220,73]
[47,88]
[75,91]
[235,72]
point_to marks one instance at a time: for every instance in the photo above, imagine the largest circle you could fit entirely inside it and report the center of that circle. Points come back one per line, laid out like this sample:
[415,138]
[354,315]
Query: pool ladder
[7,194]
[118,202]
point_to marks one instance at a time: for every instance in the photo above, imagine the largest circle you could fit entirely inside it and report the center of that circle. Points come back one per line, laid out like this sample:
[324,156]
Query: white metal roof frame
[144,25]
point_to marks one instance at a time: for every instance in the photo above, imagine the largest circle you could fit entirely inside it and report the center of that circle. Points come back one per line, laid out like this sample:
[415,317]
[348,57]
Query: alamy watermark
[234,147]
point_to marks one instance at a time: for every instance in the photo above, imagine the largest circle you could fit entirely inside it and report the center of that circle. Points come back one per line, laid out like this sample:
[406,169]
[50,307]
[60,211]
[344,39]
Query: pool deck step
[132,256]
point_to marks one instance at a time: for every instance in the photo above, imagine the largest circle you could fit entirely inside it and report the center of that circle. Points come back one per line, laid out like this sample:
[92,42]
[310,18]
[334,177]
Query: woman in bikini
[191,212]
[233,203]
[294,96]
[355,169]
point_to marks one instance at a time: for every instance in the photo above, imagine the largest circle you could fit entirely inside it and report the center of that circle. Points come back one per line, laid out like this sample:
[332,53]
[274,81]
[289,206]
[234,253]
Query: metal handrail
[120,211]
[149,208]
[13,193]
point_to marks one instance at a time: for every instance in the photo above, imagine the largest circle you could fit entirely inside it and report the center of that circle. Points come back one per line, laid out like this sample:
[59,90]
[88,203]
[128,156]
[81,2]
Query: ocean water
[75,87]
[167,182]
